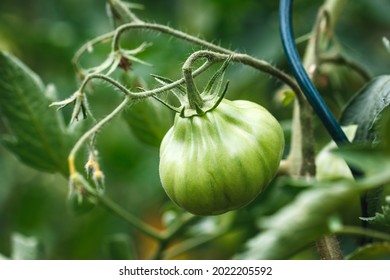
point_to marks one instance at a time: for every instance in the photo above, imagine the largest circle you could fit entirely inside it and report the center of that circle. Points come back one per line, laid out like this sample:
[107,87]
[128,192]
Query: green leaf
[299,223]
[366,106]
[214,85]
[384,130]
[365,110]
[7,177]
[376,251]
[35,133]
[149,120]
[372,162]
[382,219]
[369,160]
[304,220]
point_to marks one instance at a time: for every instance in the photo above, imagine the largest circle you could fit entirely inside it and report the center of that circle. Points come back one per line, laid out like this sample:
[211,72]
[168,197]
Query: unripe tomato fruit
[220,161]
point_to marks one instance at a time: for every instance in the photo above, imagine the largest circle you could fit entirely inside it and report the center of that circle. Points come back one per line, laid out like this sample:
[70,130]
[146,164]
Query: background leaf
[366,106]
[384,130]
[298,224]
[380,218]
[149,120]
[376,251]
[120,247]
[369,160]
[34,132]
[365,109]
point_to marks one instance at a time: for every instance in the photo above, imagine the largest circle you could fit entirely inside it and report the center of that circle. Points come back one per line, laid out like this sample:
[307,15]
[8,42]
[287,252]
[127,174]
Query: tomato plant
[248,171]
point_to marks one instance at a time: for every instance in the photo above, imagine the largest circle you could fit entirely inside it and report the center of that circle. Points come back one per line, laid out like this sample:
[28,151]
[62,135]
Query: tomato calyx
[192,102]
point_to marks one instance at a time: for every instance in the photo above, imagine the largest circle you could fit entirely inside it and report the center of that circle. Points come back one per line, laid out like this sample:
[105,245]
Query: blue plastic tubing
[302,77]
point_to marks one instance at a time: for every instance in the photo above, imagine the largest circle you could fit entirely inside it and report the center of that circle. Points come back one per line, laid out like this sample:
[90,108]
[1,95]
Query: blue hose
[303,79]
[312,94]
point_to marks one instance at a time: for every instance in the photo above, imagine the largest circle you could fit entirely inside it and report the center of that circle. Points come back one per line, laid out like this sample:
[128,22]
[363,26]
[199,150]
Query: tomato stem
[124,214]
[125,9]
[353,230]
[327,246]
[92,132]
[248,60]
[194,98]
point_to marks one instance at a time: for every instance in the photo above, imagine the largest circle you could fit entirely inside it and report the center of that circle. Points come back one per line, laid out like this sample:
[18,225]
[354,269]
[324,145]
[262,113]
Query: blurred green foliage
[45,35]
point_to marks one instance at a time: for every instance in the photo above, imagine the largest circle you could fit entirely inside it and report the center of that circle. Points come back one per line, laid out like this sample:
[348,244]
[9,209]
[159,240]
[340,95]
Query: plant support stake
[302,77]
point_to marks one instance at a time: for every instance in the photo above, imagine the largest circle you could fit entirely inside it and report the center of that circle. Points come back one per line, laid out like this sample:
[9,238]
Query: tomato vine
[213,54]
[238,141]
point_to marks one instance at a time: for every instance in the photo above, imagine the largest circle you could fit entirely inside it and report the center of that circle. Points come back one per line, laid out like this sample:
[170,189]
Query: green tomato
[331,167]
[220,161]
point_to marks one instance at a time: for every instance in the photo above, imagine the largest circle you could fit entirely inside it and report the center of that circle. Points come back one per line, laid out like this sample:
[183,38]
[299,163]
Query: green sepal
[220,97]
[382,219]
[215,83]
[211,96]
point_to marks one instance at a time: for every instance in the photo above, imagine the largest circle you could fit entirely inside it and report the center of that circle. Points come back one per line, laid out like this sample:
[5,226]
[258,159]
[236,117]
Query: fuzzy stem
[143,94]
[334,8]
[341,60]
[125,215]
[93,131]
[125,9]
[238,57]
[247,60]
[352,230]
[194,99]
[173,231]
[116,209]
[213,57]
[190,244]
[328,247]
[167,30]
[87,46]
[303,135]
